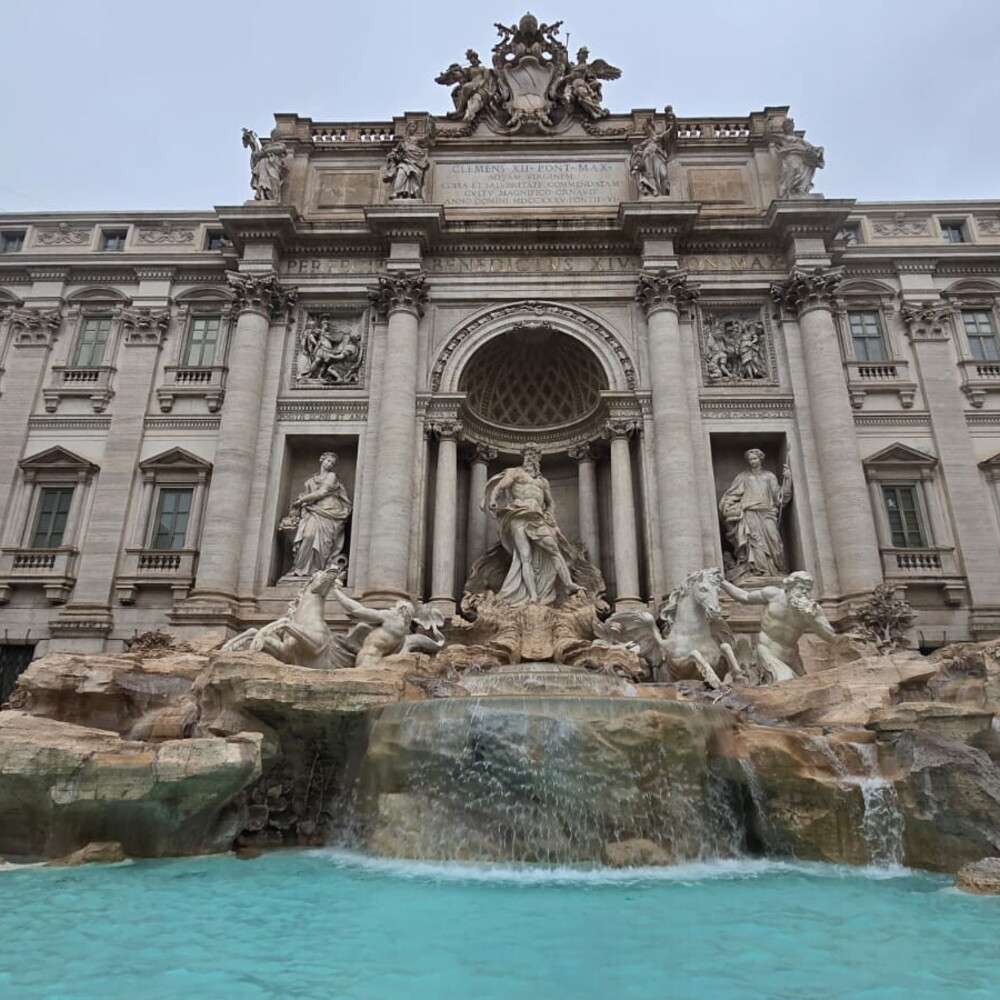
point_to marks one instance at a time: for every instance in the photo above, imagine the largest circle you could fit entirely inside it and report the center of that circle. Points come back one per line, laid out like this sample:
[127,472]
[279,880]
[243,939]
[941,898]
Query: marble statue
[384,632]
[407,163]
[789,613]
[799,160]
[533,563]
[580,86]
[330,353]
[301,635]
[268,166]
[648,162]
[750,509]
[475,86]
[319,517]
[697,640]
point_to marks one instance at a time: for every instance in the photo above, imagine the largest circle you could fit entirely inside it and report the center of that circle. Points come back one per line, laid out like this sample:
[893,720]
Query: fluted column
[623,512]
[808,294]
[445,514]
[587,497]
[478,525]
[259,298]
[400,297]
[663,295]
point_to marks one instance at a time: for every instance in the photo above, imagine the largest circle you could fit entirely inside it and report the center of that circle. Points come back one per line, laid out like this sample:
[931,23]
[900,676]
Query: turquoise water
[324,924]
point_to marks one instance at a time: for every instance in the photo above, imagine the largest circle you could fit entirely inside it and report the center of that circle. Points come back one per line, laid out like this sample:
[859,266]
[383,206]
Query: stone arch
[972,286]
[102,293]
[865,286]
[593,333]
[213,293]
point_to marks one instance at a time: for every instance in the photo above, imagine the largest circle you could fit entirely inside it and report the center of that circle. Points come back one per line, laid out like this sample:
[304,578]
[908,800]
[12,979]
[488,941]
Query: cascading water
[547,777]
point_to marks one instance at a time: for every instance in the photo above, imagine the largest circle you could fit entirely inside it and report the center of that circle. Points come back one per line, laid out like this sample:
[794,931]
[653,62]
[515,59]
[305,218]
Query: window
[92,341]
[982,336]
[203,336]
[113,239]
[953,231]
[50,516]
[904,517]
[215,240]
[866,335]
[173,508]
[11,241]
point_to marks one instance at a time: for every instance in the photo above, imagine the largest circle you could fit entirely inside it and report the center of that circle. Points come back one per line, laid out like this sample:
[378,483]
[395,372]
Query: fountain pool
[321,924]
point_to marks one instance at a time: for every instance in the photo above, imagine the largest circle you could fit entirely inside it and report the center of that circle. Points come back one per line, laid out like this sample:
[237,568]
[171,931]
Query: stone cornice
[408,222]
[657,218]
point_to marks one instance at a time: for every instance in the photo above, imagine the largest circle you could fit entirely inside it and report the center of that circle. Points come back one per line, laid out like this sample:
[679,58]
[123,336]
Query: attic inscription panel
[531,182]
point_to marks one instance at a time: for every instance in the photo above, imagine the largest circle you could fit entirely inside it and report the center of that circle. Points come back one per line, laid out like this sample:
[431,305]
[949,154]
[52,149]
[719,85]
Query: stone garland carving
[648,160]
[261,292]
[751,511]
[799,160]
[808,287]
[144,325]
[532,84]
[407,164]
[900,225]
[63,235]
[165,233]
[329,351]
[407,290]
[665,289]
[734,349]
[268,166]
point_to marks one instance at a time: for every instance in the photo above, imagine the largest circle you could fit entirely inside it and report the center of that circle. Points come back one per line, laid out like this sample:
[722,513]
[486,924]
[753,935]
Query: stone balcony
[54,570]
[173,568]
[208,383]
[93,383]
[979,378]
[865,377]
[932,565]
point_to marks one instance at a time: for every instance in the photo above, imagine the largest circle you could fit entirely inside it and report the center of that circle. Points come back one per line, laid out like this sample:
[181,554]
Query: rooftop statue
[268,166]
[533,562]
[799,160]
[648,162]
[532,84]
[407,163]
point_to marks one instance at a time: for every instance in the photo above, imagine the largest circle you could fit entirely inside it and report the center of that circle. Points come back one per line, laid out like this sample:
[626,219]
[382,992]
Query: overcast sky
[127,104]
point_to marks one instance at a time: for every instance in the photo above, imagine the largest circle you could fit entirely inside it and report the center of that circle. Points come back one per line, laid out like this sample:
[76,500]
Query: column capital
[406,290]
[479,452]
[665,289]
[261,293]
[927,320]
[585,452]
[622,428]
[444,430]
[34,327]
[145,326]
[808,288]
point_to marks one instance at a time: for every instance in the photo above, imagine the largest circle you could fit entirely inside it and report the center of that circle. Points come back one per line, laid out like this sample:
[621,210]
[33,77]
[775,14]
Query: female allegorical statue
[322,509]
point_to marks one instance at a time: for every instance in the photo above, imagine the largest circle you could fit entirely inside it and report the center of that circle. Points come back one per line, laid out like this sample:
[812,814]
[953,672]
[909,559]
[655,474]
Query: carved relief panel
[736,344]
[330,348]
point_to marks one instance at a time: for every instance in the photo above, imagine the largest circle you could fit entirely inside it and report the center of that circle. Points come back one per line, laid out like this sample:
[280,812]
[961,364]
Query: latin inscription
[510,184]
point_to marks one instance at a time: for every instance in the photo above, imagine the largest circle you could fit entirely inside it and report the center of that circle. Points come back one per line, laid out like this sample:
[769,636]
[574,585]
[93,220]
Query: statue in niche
[751,509]
[330,353]
[319,518]
[407,163]
[648,162]
[534,563]
[580,86]
[789,613]
[734,350]
[384,632]
[475,86]
[799,160]
[268,166]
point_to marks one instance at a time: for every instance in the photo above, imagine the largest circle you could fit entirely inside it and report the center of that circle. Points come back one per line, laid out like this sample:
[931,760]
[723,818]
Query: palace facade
[427,297]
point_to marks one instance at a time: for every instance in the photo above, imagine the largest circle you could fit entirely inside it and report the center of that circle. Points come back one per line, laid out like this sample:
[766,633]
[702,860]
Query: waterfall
[758,799]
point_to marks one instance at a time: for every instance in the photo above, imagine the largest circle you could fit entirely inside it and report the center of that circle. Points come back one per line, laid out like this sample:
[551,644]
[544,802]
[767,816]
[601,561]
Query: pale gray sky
[129,104]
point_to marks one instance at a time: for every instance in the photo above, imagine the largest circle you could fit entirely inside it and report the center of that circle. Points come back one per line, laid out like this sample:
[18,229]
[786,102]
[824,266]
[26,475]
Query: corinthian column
[476,534]
[400,298]
[808,293]
[587,496]
[663,295]
[623,513]
[445,514]
[259,299]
